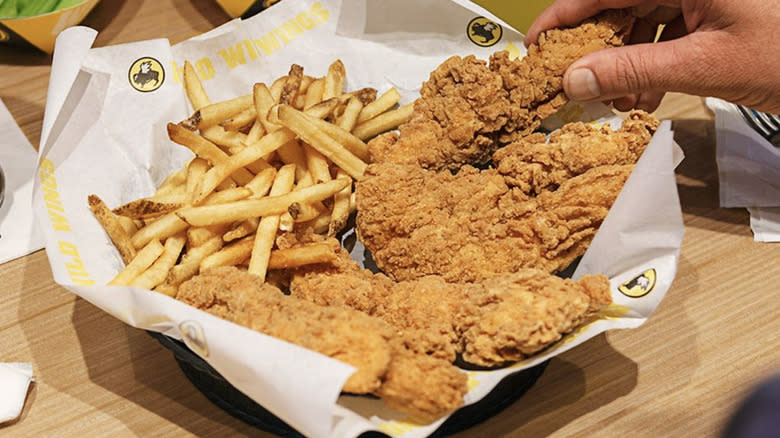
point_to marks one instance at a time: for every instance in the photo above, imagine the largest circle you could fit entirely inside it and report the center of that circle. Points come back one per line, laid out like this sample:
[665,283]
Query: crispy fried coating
[344,334]
[534,164]
[467,109]
[470,226]
[505,318]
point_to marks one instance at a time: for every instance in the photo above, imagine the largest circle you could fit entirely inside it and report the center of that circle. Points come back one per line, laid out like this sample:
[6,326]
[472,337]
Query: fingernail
[583,85]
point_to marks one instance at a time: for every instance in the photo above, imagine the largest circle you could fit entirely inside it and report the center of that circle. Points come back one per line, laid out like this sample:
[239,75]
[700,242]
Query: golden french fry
[291,85]
[230,140]
[301,256]
[243,229]
[142,260]
[190,261]
[322,109]
[227,195]
[286,222]
[240,120]
[292,153]
[305,82]
[301,124]
[167,289]
[172,183]
[157,273]
[340,213]
[261,183]
[198,236]
[240,210]
[383,122]
[195,171]
[205,149]
[343,137]
[161,229]
[231,255]
[364,95]
[196,254]
[145,209]
[266,229]
[334,80]
[276,88]
[314,93]
[348,119]
[317,164]
[300,101]
[128,225]
[215,113]
[256,133]
[320,225]
[263,101]
[113,227]
[387,100]
[194,88]
[250,154]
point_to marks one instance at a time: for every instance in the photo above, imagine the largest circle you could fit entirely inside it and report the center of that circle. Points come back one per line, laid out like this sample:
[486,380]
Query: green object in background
[29,8]
[518,14]
[8,9]
[66,4]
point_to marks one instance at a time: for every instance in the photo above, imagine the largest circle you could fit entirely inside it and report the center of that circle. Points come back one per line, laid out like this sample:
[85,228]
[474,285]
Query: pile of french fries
[268,162]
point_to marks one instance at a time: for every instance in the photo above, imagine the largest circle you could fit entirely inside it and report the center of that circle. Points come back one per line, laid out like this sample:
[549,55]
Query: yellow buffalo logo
[484,32]
[640,285]
[146,74]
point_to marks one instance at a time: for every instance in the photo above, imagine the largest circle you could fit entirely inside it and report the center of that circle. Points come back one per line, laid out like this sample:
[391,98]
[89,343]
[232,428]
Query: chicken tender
[468,109]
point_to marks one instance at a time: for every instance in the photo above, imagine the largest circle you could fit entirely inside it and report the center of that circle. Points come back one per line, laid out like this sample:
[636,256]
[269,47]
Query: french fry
[198,236]
[231,255]
[301,256]
[112,226]
[215,113]
[317,164]
[142,260]
[161,229]
[261,183]
[340,213]
[266,229]
[292,153]
[250,154]
[172,182]
[240,210]
[387,100]
[240,120]
[204,149]
[167,289]
[291,85]
[334,80]
[299,123]
[194,88]
[243,229]
[383,122]
[314,93]
[320,225]
[263,101]
[364,95]
[196,254]
[128,225]
[322,109]
[157,273]
[195,171]
[227,195]
[276,88]
[345,138]
[231,140]
[286,222]
[256,133]
[298,212]
[348,120]
[145,209]
[306,80]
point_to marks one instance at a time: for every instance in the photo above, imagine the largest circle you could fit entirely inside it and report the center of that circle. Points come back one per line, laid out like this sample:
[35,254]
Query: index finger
[564,13]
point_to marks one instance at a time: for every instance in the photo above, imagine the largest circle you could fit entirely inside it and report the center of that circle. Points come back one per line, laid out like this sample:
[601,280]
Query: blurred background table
[713,338]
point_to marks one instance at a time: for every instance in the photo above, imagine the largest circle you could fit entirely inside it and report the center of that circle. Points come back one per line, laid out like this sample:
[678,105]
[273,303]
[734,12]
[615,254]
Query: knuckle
[631,74]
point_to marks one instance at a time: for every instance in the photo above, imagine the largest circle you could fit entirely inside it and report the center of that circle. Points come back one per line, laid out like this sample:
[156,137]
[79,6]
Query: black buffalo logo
[486,31]
[146,75]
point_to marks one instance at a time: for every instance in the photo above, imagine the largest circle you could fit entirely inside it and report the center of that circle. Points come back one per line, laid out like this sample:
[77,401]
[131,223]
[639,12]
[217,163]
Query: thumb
[613,73]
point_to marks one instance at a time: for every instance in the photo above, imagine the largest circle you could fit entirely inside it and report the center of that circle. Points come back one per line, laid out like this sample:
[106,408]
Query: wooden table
[681,374]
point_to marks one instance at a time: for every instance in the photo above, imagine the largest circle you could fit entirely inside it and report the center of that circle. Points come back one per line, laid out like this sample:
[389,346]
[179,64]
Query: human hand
[719,48]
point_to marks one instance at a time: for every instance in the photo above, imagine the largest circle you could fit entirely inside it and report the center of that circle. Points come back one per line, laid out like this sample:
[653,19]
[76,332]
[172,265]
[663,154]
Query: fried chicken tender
[534,164]
[467,109]
[470,226]
[343,334]
[505,318]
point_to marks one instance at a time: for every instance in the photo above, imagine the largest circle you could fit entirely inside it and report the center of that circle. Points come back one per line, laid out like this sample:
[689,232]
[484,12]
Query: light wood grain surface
[681,374]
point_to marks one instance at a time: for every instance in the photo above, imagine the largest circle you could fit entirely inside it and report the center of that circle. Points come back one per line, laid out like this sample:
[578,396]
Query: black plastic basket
[234,402]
